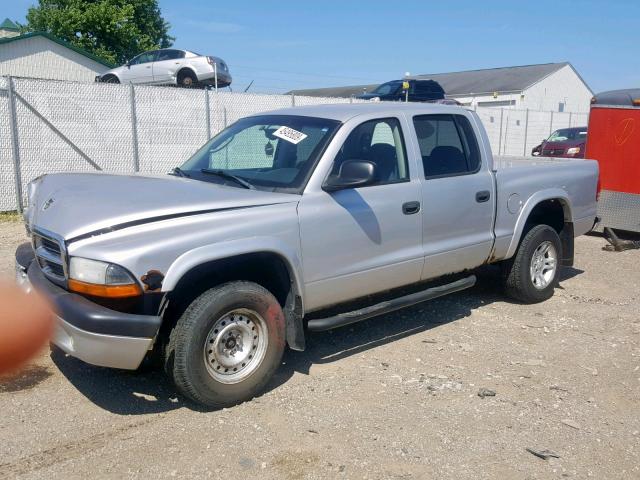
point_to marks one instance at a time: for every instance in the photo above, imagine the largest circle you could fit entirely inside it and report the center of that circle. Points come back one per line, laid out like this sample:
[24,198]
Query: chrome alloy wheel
[544,263]
[236,345]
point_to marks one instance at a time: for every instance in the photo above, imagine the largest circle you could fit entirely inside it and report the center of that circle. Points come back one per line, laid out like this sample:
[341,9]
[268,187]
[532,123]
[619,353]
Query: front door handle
[483,196]
[410,208]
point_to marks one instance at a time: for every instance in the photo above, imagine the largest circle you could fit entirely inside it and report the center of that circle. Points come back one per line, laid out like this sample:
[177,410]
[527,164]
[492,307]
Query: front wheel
[532,274]
[111,79]
[227,344]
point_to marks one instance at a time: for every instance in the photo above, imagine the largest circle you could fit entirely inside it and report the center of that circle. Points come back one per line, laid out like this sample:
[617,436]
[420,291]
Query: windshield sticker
[290,135]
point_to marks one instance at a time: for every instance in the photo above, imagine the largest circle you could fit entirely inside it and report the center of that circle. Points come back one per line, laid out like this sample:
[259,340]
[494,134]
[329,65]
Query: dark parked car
[566,142]
[419,91]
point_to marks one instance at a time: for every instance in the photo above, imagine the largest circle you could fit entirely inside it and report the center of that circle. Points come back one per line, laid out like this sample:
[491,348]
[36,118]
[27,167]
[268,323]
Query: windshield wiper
[178,172]
[223,174]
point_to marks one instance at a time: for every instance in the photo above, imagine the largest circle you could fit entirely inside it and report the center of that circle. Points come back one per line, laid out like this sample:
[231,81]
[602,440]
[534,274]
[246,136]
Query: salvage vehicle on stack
[169,66]
[294,221]
[614,140]
[409,90]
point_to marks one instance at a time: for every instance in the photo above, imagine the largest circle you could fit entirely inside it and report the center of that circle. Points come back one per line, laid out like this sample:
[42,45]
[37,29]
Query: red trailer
[614,141]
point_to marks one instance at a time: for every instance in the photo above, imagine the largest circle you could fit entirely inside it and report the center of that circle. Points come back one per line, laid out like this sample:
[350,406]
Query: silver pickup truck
[296,220]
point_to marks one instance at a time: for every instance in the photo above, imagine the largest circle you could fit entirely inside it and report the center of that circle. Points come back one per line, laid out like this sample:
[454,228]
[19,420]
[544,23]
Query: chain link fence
[49,126]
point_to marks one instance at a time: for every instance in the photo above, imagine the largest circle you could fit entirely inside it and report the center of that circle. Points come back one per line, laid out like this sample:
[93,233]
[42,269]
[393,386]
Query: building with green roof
[9,29]
[41,55]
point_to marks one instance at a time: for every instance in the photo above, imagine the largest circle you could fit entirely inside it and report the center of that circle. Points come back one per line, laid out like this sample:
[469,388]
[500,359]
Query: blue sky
[288,45]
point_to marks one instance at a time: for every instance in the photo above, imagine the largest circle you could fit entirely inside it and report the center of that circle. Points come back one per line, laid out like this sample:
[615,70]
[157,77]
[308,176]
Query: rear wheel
[187,79]
[227,344]
[532,274]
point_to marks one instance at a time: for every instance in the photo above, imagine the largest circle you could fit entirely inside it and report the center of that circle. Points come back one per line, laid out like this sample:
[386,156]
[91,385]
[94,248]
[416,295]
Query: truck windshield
[270,152]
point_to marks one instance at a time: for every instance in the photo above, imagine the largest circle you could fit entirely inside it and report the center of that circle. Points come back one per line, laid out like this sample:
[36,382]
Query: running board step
[347,318]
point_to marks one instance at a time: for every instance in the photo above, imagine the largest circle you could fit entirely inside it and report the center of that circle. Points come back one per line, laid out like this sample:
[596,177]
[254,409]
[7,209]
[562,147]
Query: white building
[545,87]
[41,55]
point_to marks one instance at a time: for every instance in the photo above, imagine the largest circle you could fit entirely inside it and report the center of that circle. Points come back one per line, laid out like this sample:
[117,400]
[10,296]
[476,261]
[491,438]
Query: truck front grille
[51,256]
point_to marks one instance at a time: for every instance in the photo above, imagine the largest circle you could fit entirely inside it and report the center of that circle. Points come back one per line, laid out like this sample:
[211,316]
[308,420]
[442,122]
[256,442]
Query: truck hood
[81,204]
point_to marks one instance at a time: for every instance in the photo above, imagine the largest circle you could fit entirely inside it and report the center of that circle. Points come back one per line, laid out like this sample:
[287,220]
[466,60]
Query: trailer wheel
[532,274]
[227,344]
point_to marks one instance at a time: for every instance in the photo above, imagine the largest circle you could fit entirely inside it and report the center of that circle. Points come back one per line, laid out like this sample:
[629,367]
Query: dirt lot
[393,397]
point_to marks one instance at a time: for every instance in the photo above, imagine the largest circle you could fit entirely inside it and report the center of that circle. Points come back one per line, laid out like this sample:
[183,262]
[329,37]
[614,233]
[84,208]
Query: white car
[169,66]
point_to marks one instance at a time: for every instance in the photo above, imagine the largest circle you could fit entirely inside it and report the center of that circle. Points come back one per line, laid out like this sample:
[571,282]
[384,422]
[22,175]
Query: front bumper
[86,330]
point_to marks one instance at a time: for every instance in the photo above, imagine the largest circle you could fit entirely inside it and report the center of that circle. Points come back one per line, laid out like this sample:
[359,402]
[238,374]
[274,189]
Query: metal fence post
[293,100]
[225,116]
[570,115]
[526,131]
[15,145]
[207,113]
[551,123]
[134,129]
[500,138]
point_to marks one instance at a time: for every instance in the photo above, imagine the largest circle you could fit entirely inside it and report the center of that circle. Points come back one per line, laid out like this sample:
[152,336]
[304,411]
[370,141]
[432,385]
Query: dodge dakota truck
[288,222]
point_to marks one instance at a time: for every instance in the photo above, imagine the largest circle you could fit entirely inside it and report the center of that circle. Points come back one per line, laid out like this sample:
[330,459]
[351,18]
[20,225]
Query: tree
[114,30]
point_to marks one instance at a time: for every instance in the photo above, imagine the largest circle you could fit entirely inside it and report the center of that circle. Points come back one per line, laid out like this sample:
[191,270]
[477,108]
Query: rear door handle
[410,208]
[483,196]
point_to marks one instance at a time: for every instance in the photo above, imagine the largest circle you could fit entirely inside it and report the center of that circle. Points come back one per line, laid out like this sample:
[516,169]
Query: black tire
[517,276]
[111,79]
[187,79]
[186,360]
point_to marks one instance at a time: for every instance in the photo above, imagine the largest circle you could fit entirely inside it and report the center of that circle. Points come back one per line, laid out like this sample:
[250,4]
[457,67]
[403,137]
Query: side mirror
[128,64]
[352,174]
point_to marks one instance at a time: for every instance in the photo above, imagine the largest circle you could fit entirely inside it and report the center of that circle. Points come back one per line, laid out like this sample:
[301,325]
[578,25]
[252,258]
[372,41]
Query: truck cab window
[379,141]
[447,145]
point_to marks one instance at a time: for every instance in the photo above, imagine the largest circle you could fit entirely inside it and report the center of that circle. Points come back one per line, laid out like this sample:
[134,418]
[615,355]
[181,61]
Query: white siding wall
[39,57]
[8,33]
[561,86]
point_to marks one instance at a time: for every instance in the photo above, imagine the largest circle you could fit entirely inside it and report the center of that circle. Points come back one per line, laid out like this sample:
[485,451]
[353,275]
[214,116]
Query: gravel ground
[392,397]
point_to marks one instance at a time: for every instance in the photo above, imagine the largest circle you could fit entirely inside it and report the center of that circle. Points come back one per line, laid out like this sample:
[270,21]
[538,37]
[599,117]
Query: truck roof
[346,111]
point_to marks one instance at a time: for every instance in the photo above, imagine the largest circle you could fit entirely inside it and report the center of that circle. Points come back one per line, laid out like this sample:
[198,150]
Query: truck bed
[521,181]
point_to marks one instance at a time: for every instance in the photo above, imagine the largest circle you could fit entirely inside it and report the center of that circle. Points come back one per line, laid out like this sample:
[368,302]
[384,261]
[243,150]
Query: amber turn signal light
[106,291]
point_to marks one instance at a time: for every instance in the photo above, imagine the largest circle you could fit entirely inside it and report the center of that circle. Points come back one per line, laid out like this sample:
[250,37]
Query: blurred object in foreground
[26,324]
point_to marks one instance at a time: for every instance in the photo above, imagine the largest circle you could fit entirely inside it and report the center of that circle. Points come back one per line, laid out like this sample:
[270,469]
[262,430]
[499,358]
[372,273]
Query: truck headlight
[101,279]
[573,151]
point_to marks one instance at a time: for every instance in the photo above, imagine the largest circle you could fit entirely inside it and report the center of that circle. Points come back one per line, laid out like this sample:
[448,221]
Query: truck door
[359,241]
[457,195]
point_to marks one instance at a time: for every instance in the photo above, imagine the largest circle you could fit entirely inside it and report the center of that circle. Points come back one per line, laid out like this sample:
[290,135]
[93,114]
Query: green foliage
[115,30]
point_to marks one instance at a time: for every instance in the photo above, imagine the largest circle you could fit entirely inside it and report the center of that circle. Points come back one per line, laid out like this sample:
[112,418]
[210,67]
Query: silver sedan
[169,66]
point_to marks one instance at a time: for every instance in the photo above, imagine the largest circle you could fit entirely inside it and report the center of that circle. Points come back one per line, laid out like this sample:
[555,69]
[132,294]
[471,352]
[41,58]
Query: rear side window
[428,88]
[448,145]
[169,55]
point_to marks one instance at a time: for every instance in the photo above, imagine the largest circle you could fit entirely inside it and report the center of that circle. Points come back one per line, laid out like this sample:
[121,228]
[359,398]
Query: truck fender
[540,196]
[232,248]
[221,250]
